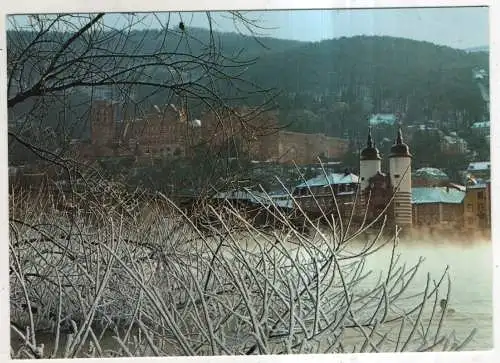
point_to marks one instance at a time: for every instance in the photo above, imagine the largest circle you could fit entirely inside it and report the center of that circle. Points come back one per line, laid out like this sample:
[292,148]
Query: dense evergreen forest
[339,82]
[329,86]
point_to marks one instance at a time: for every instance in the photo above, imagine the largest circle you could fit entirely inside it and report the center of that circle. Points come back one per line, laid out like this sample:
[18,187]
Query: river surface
[470,267]
[470,270]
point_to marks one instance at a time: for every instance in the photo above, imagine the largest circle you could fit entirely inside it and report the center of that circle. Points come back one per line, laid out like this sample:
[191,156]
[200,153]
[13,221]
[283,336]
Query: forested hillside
[329,86]
[343,80]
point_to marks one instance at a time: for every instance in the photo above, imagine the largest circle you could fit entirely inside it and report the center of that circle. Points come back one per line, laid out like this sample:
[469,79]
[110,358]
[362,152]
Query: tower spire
[399,149]
[369,142]
[399,138]
[370,152]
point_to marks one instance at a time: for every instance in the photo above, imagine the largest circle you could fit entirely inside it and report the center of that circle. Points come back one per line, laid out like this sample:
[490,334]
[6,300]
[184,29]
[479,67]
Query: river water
[470,267]
[470,270]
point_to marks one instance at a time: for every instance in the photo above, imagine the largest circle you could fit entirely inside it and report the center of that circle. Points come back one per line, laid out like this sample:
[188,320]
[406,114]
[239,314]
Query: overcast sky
[455,27]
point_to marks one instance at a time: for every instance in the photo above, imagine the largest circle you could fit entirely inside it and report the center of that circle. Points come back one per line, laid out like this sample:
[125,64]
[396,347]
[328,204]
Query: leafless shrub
[101,262]
[160,286]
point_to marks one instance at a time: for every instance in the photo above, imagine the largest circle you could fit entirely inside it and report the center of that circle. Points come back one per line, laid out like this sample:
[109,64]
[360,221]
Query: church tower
[400,174]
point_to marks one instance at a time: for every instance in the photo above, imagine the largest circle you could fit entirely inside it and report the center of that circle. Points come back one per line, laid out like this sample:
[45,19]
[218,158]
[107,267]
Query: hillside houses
[481,128]
[453,145]
[382,119]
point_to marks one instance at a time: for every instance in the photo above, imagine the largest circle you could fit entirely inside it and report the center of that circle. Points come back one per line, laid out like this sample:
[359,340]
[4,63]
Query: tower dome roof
[370,152]
[400,149]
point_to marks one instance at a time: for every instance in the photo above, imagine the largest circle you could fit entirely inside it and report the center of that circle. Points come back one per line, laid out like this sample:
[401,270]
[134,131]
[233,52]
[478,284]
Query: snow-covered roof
[383,118]
[431,172]
[447,195]
[331,179]
[480,125]
[479,165]
[258,198]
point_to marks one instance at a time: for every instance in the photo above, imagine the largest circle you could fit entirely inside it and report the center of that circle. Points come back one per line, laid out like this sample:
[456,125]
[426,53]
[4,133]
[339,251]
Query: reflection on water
[470,270]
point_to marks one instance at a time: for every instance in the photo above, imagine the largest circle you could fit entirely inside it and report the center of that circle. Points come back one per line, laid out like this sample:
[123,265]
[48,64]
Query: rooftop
[259,198]
[383,118]
[481,185]
[479,165]
[480,125]
[331,179]
[447,195]
[430,173]
[453,139]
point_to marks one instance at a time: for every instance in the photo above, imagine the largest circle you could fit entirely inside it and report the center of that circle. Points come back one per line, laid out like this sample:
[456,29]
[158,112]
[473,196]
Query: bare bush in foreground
[137,286]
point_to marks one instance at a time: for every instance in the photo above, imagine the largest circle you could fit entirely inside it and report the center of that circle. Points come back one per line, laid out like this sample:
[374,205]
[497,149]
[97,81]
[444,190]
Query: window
[396,175]
[480,195]
[469,207]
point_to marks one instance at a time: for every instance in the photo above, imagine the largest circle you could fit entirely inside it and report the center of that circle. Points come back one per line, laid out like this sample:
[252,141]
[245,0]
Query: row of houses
[453,209]
[425,199]
[448,209]
[437,207]
[450,143]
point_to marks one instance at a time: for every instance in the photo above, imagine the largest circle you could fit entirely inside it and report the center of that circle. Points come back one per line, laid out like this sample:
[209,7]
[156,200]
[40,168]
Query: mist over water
[470,268]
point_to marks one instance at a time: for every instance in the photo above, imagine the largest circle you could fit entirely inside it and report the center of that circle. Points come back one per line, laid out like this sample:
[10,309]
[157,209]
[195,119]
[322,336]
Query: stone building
[169,132]
[115,133]
[477,206]
[392,190]
[429,177]
[323,194]
[438,208]
[288,147]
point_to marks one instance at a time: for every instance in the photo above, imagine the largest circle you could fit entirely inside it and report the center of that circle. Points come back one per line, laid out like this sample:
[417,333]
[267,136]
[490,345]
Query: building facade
[325,194]
[303,149]
[453,145]
[438,208]
[169,132]
[477,207]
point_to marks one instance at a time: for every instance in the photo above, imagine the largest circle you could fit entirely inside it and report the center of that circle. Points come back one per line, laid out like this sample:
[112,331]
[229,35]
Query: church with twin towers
[379,190]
